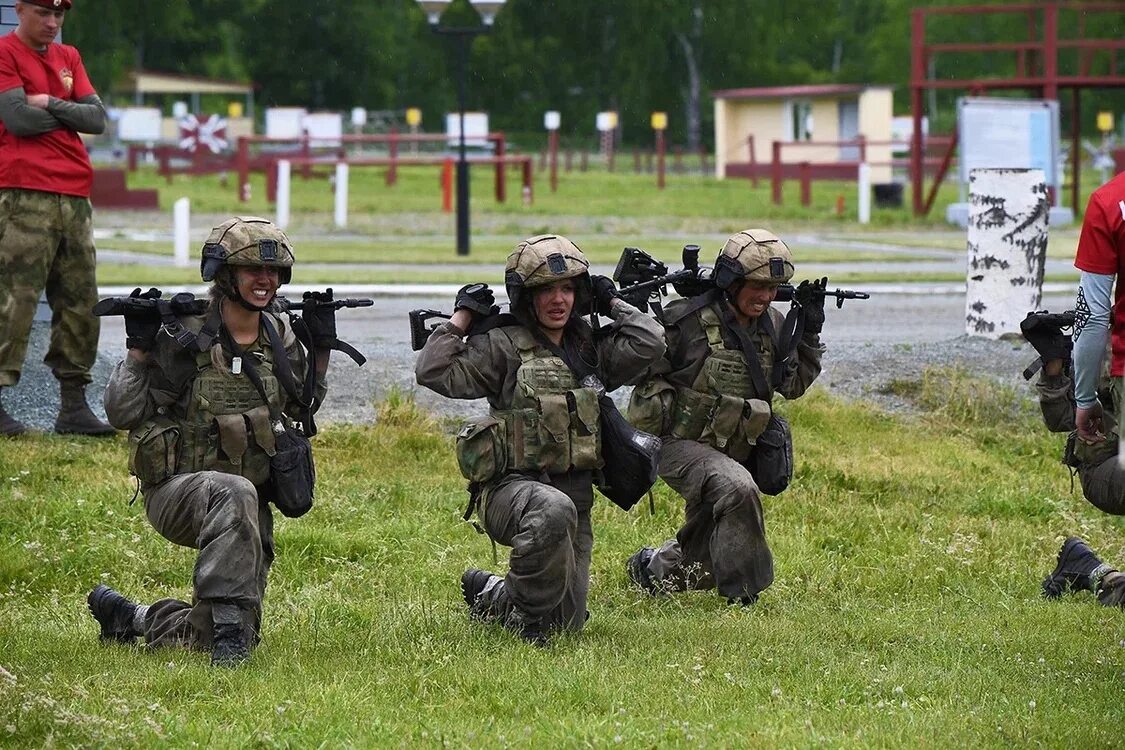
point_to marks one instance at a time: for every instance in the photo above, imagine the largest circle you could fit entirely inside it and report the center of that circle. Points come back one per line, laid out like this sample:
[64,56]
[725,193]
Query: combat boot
[1078,569]
[75,417]
[228,646]
[9,425]
[114,613]
[478,587]
[637,569]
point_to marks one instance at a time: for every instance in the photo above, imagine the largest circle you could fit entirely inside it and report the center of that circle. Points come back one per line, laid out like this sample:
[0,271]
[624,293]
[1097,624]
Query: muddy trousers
[1103,485]
[220,515]
[1112,591]
[552,541]
[722,544]
[47,243]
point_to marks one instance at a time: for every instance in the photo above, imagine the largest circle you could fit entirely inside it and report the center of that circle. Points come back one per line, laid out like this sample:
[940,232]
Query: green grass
[905,613]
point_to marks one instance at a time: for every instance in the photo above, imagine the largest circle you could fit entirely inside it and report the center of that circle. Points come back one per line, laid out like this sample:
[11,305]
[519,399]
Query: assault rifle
[186,303]
[420,332]
[1044,331]
[644,279]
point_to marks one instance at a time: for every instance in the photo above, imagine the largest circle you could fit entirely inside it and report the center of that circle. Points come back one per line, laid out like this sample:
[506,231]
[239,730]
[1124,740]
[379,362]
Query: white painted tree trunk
[1007,249]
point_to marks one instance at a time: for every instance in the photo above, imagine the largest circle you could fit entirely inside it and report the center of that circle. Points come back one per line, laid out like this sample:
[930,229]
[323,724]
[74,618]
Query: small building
[833,127]
[141,85]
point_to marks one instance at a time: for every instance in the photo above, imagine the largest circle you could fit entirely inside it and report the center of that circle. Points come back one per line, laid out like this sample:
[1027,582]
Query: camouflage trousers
[1112,590]
[1103,485]
[722,544]
[552,539]
[221,516]
[47,243]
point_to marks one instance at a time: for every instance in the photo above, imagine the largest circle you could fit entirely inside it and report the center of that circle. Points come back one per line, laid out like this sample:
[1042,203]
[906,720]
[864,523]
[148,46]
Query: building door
[848,129]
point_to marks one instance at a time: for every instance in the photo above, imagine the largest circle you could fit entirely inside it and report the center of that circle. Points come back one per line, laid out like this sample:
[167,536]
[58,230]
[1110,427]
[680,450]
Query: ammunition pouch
[292,473]
[729,424]
[1079,454]
[651,406]
[561,435]
[482,451]
[153,450]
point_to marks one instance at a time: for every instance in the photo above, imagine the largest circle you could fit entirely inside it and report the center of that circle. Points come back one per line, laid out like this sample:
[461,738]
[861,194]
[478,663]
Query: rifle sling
[749,350]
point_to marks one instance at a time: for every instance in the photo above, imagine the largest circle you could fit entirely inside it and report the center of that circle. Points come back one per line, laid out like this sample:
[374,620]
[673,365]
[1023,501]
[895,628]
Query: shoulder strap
[287,378]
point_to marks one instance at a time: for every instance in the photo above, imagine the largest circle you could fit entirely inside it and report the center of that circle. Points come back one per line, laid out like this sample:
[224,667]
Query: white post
[181,224]
[864,202]
[283,172]
[341,194]
[1007,249]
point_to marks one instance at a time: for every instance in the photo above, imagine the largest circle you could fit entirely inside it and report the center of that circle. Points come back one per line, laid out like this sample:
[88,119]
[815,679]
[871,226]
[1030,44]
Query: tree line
[575,56]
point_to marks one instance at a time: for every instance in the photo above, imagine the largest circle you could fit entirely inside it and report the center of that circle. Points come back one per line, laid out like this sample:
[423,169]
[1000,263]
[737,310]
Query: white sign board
[324,128]
[476,129]
[285,122]
[902,133]
[139,124]
[552,120]
[1009,134]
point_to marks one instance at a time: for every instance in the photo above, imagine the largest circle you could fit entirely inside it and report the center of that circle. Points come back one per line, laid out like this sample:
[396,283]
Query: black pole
[462,162]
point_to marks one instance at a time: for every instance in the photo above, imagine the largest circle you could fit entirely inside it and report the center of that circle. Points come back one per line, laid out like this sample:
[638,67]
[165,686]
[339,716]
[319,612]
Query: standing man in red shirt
[1099,319]
[46,222]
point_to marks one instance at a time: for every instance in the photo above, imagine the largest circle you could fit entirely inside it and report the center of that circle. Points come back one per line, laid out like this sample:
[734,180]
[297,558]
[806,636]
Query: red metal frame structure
[1040,68]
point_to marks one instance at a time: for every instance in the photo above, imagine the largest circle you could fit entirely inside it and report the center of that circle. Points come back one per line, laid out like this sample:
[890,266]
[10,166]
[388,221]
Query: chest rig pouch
[551,427]
[721,408]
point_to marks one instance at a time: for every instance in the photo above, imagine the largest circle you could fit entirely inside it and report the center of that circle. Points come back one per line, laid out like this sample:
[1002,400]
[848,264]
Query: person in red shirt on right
[46,221]
[1097,322]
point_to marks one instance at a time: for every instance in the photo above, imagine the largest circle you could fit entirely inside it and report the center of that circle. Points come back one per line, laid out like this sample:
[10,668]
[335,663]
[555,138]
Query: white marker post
[864,202]
[181,225]
[1007,249]
[283,182]
[341,194]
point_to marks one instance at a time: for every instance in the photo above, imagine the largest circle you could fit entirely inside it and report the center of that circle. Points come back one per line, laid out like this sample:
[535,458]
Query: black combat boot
[637,569]
[476,584]
[75,417]
[1078,569]
[9,425]
[114,613]
[228,646]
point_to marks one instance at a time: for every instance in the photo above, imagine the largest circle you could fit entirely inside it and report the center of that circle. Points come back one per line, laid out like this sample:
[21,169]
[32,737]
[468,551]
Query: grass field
[906,610]
[603,212]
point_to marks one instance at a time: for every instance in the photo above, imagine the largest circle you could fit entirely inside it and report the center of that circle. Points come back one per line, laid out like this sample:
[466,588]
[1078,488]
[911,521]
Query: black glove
[604,293]
[476,298]
[810,297]
[141,327]
[320,318]
[1046,336]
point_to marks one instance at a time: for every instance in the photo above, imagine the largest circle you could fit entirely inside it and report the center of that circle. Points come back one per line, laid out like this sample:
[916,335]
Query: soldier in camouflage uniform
[201,438]
[710,399]
[1103,480]
[46,226]
[532,463]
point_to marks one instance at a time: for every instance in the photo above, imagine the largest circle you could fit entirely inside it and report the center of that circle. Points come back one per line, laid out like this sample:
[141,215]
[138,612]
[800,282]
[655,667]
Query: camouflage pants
[548,528]
[1112,591]
[1104,486]
[221,516]
[47,243]
[722,543]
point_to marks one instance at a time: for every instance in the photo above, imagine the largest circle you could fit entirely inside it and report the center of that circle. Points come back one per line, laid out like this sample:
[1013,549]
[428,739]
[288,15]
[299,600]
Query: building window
[800,120]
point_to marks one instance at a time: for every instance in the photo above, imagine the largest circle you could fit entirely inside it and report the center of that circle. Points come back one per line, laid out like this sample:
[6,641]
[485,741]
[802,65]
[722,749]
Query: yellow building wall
[876,110]
[735,120]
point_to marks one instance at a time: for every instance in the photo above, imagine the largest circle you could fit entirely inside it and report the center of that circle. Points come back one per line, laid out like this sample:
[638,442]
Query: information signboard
[1000,133]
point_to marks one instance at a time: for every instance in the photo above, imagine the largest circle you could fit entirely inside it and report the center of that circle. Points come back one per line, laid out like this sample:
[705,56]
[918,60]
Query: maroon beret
[52,4]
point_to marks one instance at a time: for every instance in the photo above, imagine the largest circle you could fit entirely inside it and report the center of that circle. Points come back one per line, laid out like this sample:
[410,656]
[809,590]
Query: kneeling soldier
[532,462]
[204,398]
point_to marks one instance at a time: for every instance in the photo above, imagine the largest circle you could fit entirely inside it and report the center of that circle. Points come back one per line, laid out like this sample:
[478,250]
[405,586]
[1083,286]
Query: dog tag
[236,365]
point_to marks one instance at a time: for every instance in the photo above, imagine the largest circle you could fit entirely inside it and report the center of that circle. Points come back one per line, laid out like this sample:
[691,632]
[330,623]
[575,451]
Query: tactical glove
[604,293]
[320,318]
[810,297]
[476,298]
[140,328]
[1046,338]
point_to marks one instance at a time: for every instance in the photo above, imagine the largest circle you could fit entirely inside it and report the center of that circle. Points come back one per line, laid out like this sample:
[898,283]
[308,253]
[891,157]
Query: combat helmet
[753,255]
[545,259]
[245,241]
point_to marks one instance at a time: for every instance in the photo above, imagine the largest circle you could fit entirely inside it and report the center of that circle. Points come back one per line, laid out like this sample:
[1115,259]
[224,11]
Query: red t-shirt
[56,161]
[1101,249]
